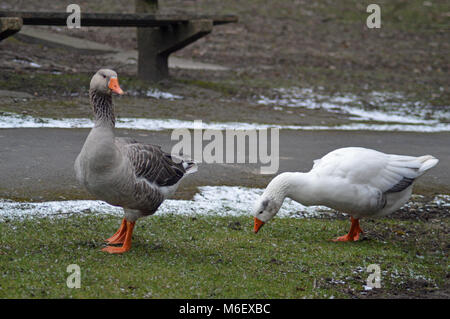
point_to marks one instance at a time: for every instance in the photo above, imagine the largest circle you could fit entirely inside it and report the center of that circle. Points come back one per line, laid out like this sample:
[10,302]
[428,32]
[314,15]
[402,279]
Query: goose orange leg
[126,243]
[353,234]
[119,236]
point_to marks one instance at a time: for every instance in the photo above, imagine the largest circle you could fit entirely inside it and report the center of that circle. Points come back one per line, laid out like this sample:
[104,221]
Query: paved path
[37,164]
[111,54]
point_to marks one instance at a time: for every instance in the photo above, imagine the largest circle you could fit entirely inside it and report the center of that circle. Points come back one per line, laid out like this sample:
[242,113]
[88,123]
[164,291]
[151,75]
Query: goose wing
[399,171]
[361,166]
[153,164]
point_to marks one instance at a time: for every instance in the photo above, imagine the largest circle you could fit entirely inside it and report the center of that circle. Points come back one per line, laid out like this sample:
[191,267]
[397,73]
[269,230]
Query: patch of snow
[157,94]
[35,65]
[12,120]
[211,200]
[32,64]
[388,108]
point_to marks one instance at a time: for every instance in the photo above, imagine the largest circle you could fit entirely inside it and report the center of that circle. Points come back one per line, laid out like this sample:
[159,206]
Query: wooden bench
[158,35]
[9,26]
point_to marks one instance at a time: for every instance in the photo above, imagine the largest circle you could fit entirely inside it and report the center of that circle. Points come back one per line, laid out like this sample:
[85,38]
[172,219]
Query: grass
[411,15]
[215,257]
[66,83]
[224,88]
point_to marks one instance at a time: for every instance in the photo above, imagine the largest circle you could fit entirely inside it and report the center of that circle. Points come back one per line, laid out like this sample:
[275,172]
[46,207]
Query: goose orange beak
[114,86]
[258,225]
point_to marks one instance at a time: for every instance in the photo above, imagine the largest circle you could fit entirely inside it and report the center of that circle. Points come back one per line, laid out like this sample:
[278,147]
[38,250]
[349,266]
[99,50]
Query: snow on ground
[383,107]
[157,94]
[386,112]
[13,120]
[211,201]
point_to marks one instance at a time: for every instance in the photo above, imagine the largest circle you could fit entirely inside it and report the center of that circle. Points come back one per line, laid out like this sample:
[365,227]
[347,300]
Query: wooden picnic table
[9,26]
[158,35]
[115,19]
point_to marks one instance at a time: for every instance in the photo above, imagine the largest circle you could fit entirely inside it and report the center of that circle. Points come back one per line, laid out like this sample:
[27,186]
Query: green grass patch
[64,83]
[223,88]
[213,257]
[44,83]
[411,15]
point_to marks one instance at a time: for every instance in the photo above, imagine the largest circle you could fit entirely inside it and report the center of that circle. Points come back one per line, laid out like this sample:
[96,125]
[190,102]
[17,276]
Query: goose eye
[260,212]
[104,76]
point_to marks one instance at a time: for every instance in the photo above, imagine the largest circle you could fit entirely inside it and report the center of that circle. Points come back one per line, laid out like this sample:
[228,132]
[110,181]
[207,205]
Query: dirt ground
[311,43]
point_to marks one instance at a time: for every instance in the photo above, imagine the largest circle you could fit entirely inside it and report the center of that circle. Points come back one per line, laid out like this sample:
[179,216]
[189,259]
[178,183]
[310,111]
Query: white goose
[358,181]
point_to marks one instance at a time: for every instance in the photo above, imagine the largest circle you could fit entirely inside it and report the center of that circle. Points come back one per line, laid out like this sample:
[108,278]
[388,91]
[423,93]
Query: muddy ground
[322,43]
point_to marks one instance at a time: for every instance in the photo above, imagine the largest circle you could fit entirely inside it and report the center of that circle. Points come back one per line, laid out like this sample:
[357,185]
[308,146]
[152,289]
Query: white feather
[359,181]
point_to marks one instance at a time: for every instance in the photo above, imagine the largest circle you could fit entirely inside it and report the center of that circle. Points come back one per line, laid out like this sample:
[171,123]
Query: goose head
[268,205]
[265,209]
[105,81]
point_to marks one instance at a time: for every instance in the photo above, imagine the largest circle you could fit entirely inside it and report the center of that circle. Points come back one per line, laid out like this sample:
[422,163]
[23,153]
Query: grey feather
[122,171]
[402,185]
[153,164]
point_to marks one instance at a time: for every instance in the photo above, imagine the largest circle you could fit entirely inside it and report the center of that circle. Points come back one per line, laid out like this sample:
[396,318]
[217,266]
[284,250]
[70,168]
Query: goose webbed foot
[353,234]
[123,238]
[119,236]
[116,250]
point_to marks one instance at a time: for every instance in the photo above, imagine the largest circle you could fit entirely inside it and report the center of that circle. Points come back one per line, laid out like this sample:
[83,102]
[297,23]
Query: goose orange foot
[124,238]
[353,234]
[119,236]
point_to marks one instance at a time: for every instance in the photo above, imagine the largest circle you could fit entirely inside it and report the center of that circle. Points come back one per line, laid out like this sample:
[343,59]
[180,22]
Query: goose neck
[103,109]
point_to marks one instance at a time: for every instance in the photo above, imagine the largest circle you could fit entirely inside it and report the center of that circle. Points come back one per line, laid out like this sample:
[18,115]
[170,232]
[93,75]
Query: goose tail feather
[427,162]
[190,167]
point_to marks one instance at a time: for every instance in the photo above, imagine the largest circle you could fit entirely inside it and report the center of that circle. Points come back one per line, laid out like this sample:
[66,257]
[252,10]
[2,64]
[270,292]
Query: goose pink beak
[258,225]
[114,86]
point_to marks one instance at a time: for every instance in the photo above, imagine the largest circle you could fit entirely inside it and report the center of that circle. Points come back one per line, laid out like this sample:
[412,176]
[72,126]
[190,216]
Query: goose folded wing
[397,173]
[153,164]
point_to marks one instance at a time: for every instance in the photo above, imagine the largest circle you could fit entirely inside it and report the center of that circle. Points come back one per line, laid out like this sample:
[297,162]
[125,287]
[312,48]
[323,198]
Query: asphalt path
[37,164]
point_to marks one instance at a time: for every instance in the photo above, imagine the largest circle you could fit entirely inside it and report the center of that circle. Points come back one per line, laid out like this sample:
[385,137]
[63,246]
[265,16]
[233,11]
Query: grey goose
[122,171]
